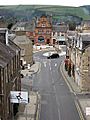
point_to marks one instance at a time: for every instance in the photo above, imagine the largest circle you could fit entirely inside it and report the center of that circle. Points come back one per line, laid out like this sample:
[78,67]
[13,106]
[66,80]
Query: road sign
[19,97]
[87,110]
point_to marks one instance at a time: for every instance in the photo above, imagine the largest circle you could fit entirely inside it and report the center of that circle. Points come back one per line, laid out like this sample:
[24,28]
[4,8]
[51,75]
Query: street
[57,102]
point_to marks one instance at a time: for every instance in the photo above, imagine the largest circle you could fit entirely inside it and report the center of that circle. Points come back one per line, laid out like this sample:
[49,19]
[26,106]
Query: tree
[10,25]
[72,25]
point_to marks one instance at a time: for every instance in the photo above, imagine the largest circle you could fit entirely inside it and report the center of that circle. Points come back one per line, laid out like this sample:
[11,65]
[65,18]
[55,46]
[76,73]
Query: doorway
[48,41]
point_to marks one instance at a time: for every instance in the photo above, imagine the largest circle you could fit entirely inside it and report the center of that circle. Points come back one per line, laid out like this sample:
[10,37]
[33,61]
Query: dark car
[55,55]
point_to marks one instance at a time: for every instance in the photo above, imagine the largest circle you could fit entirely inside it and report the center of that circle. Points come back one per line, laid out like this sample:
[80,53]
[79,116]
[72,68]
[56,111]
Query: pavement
[31,110]
[33,69]
[43,48]
[83,97]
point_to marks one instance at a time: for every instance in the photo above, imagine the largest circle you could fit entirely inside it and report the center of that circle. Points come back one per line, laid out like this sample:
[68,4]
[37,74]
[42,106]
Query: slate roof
[71,33]
[86,41]
[60,28]
[86,38]
[7,52]
[87,22]
[22,40]
[30,26]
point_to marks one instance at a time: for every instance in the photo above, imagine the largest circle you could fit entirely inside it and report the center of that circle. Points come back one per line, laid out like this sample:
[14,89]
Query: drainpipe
[6,37]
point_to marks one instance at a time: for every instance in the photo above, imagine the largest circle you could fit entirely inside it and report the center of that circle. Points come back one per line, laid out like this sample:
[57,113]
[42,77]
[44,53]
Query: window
[62,34]
[6,76]
[2,80]
[12,67]
[22,52]
[47,32]
[89,61]
[8,72]
[43,25]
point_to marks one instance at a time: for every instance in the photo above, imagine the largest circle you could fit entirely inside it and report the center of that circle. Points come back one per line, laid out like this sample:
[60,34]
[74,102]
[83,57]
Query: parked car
[54,55]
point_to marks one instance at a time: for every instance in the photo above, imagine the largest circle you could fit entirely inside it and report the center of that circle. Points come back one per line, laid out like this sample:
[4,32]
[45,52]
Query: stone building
[84,27]
[9,75]
[70,52]
[82,61]
[26,49]
[43,30]
[79,59]
[59,33]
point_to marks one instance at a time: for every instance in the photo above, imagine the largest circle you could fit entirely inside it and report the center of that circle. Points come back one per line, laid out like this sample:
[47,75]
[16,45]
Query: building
[30,27]
[82,72]
[59,33]
[9,75]
[3,24]
[78,49]
[69,42]
[26,49]
[43,30]
[70,50]
[84,27]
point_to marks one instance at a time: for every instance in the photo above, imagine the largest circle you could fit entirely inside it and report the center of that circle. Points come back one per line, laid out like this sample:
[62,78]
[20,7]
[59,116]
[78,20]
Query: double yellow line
[61,67]
[79,111]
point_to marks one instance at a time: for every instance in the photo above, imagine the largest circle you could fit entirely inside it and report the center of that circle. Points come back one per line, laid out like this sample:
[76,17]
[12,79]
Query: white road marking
[45,64]
[57,101]
[55,64]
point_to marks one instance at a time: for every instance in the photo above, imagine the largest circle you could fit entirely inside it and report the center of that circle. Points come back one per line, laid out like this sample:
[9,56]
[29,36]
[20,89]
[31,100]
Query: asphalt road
[57,102]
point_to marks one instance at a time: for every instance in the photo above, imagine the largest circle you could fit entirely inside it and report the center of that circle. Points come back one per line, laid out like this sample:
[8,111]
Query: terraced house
[9,74]
[26,47]
[82,72]
[79,59]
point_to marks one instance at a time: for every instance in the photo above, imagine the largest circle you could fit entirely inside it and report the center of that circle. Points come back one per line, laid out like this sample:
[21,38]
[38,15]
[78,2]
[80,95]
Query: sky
[75,3]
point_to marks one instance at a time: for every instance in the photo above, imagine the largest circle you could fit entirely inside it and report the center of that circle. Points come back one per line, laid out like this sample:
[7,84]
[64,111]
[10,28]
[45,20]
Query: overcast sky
[46,2]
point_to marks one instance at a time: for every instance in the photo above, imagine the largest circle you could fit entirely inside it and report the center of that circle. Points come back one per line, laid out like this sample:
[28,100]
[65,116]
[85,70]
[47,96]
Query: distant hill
[87,9]
[59,13]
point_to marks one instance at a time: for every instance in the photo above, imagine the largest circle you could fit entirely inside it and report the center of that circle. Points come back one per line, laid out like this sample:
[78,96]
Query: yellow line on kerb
[66,79]
[79,111]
